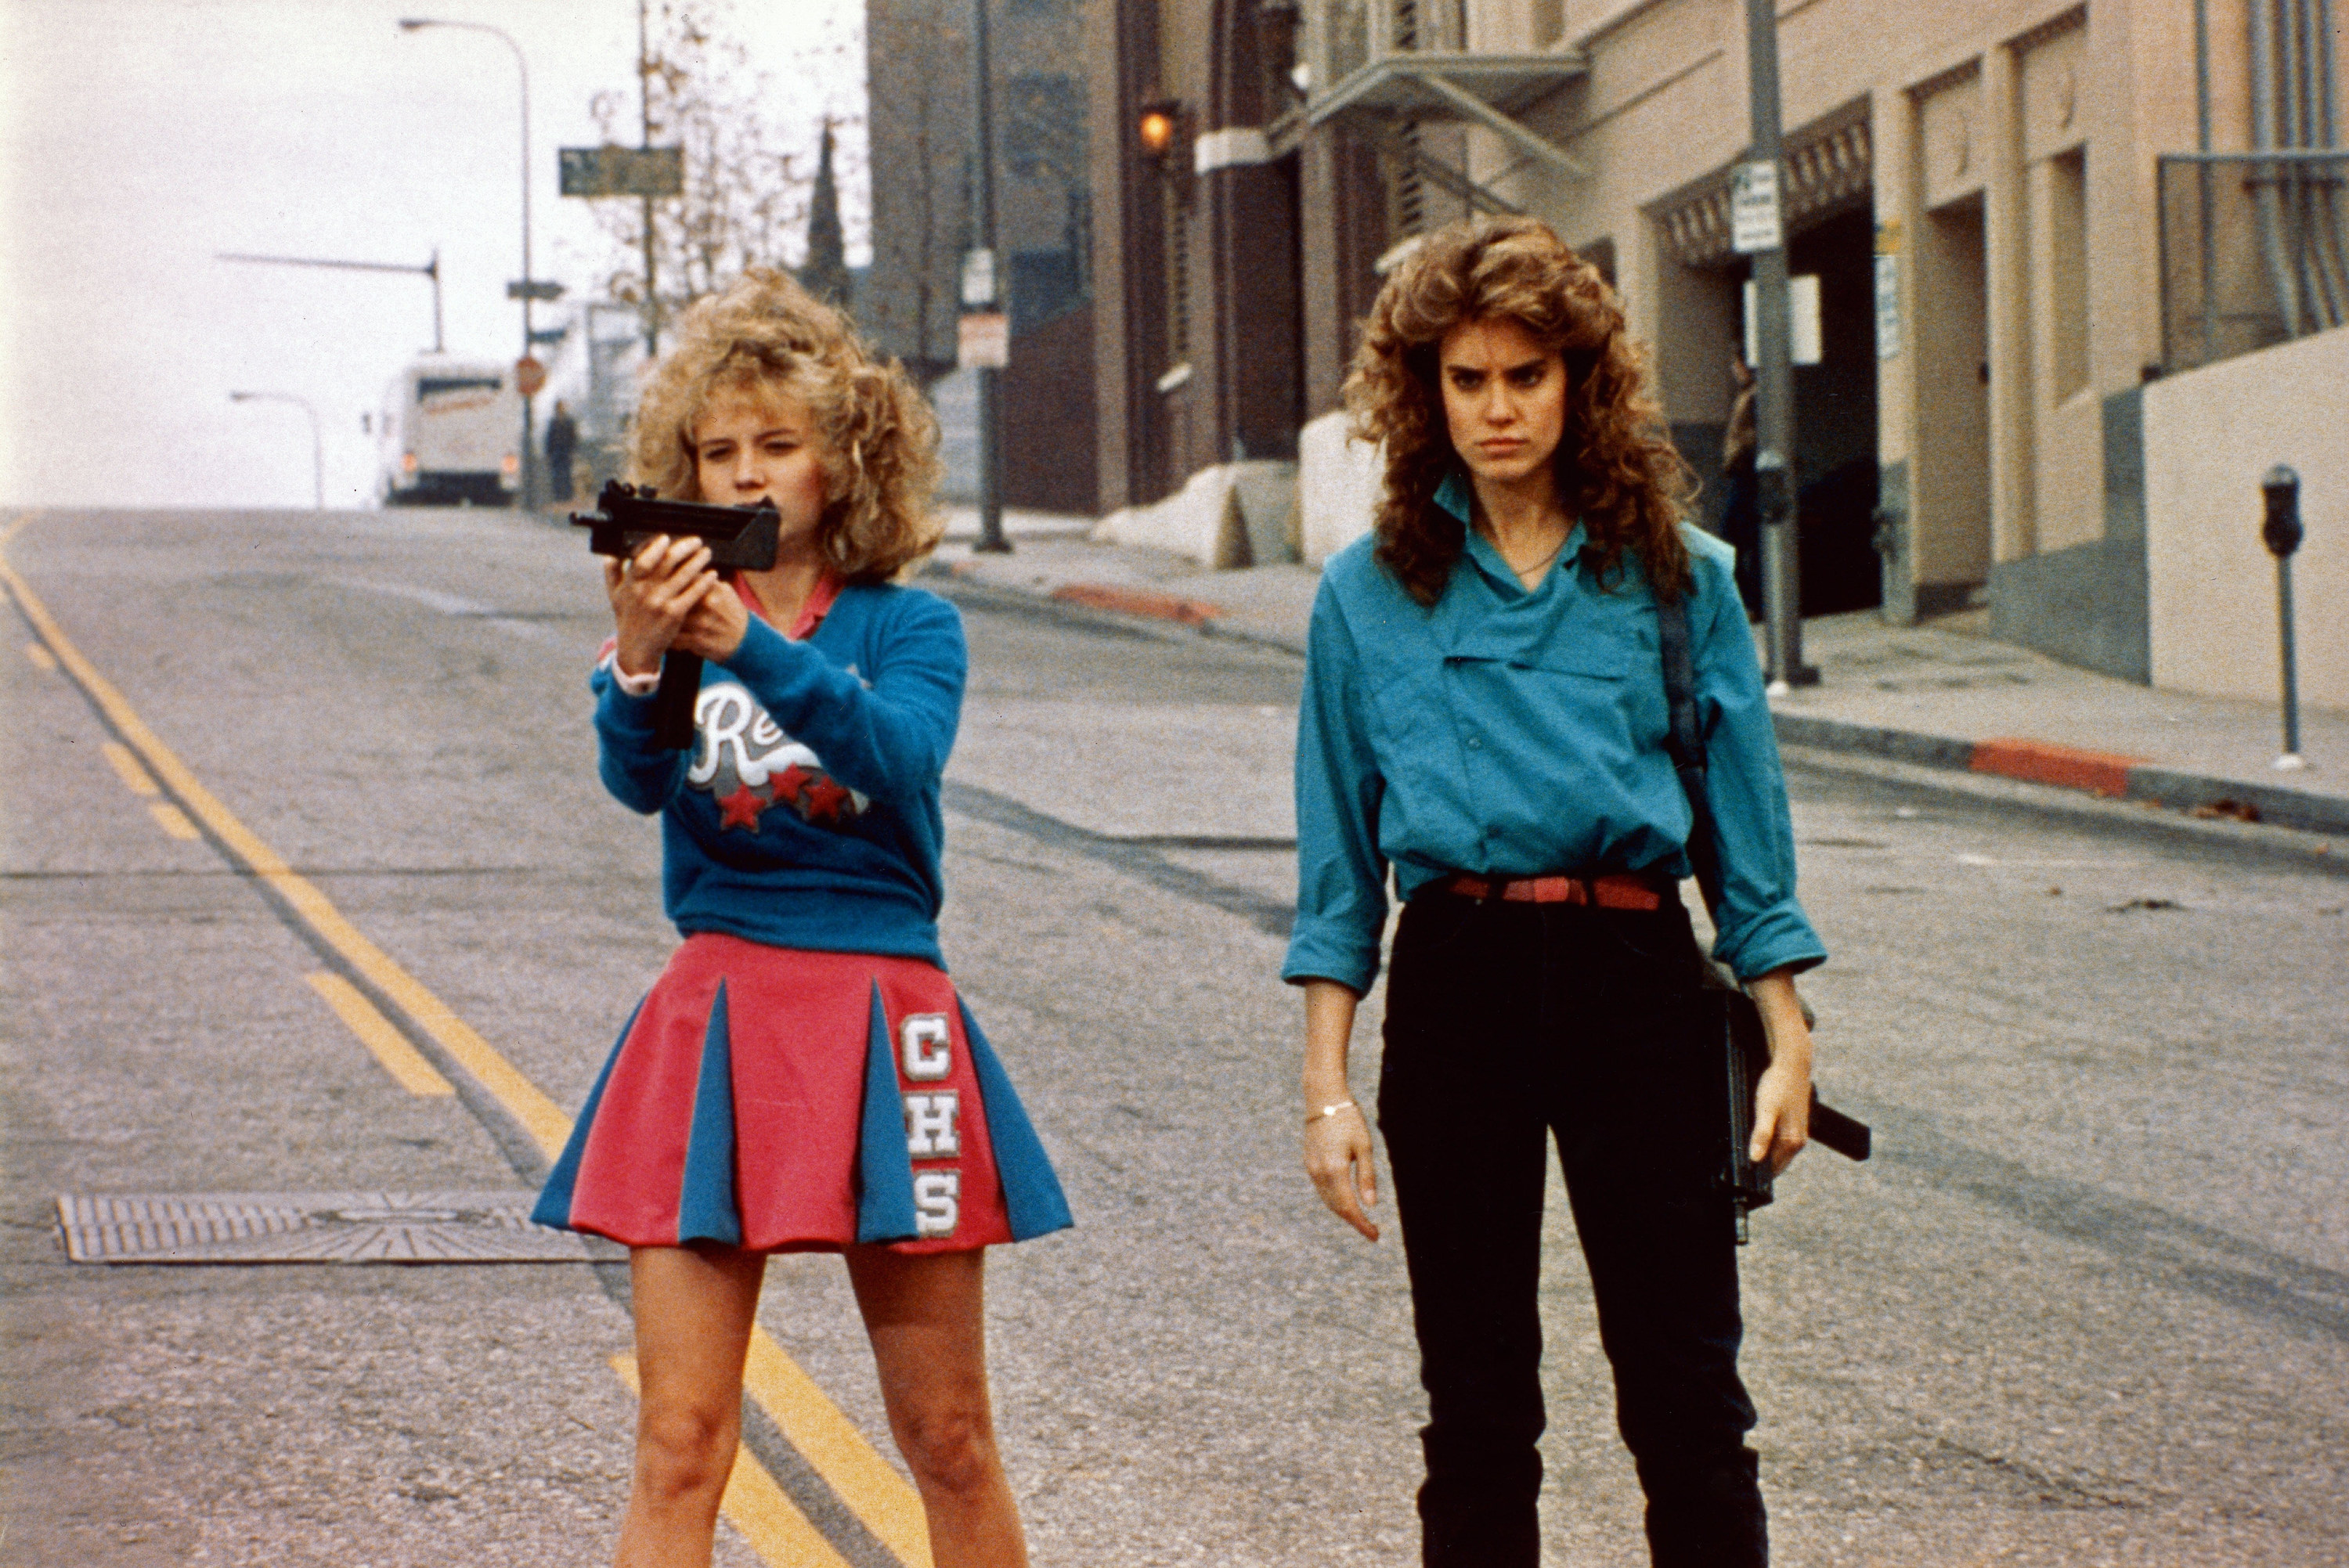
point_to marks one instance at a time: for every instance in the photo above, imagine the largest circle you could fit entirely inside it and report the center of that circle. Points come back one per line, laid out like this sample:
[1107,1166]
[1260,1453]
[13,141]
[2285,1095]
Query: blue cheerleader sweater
[806,813]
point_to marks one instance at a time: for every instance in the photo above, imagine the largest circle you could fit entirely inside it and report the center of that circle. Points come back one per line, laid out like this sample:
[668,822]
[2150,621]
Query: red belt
[1614,891]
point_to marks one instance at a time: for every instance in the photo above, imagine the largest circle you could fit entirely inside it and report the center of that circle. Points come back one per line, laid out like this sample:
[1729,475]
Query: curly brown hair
[880,440]
[1616,465]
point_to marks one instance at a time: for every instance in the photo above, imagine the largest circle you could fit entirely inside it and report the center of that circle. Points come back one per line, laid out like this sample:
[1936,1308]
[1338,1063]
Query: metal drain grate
[311,1228]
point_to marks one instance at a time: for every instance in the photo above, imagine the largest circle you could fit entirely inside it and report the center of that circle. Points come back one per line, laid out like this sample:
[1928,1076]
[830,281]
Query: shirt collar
[1454,495]
[819,600]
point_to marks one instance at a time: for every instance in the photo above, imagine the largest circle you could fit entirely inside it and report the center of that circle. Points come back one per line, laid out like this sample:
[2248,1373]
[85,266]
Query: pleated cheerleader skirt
[785,1100]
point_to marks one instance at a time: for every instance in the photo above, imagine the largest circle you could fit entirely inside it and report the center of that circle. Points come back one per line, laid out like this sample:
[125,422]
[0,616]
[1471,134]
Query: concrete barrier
[1339,482]
[1227,515]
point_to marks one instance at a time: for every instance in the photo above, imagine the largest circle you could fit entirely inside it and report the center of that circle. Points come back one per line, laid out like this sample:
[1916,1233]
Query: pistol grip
[673,701]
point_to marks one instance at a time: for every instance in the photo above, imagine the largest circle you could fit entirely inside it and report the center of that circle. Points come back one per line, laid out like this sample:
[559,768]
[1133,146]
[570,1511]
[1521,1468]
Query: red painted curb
[2043,762]
[1139,602]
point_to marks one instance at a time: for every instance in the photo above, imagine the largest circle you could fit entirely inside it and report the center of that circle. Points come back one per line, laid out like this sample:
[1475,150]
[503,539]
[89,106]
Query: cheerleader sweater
[806,812]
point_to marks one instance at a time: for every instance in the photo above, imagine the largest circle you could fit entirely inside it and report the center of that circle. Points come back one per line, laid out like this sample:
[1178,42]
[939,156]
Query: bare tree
[746,200]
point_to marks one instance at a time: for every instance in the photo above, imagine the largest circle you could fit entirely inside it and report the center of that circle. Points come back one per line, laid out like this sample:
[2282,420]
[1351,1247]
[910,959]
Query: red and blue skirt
[785,1100]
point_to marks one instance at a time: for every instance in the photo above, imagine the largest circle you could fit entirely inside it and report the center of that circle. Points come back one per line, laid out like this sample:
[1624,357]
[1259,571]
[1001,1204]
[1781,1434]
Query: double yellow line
[811,1422]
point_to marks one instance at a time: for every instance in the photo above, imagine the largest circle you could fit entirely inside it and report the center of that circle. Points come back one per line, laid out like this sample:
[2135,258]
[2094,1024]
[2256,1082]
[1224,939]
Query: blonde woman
[1485,717]
[801,1077]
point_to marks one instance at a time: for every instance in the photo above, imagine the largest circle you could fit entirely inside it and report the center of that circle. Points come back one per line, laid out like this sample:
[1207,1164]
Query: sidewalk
[1940,695]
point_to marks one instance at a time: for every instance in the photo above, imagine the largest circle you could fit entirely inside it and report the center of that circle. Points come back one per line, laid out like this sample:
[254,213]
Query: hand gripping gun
[740,539]
[1747,1052]
[1744,1048]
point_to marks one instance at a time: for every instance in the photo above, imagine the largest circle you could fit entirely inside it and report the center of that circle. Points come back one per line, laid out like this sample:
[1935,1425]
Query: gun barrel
[740,539]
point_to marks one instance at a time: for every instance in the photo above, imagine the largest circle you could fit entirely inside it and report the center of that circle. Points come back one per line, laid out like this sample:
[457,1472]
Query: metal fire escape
[1383,69]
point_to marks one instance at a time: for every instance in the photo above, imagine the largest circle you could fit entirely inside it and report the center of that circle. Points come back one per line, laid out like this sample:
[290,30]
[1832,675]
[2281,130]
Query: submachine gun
[740,539]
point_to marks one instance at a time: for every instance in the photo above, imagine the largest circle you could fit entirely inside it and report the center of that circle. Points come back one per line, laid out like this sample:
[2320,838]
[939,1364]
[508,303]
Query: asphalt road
[2090,1303]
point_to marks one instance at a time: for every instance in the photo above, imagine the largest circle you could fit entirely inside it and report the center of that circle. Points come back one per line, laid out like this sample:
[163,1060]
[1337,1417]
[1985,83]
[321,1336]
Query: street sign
[1804,342]
[1754,223]
[983,341]
[536,288]
[1887,307]
[1887,289]
[609,171]
[979,277]
[530,376]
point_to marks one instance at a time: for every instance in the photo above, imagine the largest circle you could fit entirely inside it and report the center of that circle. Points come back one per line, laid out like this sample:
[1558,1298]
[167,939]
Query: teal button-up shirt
[1509,733]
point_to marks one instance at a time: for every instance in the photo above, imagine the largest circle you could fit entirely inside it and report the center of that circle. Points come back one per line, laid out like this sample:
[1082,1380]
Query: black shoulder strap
[1686,744]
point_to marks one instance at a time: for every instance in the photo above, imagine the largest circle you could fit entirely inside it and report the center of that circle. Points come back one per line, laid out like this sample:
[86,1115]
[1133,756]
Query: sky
[140,138]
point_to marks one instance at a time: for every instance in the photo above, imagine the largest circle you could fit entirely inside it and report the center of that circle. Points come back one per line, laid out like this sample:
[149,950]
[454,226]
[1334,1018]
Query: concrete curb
[2100,773]
[1139,602]
[2137,818]
[2104,774]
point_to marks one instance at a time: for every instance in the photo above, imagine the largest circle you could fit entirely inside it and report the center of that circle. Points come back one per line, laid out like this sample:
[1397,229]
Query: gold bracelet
[1329,1110]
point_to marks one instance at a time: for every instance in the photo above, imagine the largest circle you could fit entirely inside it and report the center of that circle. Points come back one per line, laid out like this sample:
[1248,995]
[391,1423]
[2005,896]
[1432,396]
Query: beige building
[1973,185]
[2006,246]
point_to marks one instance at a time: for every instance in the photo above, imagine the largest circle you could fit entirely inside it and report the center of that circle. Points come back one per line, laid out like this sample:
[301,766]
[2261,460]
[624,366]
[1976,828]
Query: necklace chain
[1535,566]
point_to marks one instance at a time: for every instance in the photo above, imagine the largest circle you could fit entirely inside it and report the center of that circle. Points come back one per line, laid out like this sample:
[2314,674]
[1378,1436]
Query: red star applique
[739,810]
[824,800]
[788,783]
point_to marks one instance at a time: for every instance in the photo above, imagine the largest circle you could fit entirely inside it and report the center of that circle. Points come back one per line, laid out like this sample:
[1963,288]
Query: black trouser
[1507,1023]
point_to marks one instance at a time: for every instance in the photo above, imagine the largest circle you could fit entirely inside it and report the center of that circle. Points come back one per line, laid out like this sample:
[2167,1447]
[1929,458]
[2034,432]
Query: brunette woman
[1485,717]
[801,1077]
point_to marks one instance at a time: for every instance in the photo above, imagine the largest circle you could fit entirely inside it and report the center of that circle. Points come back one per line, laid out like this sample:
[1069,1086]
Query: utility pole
[1759,230]
[645,140]
[985,279]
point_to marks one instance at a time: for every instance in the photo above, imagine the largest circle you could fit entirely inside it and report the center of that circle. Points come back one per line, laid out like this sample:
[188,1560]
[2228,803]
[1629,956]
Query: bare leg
[924,1317]
[693,1309]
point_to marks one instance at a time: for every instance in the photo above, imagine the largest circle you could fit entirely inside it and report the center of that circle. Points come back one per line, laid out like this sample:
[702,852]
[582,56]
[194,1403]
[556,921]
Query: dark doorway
[1834,418]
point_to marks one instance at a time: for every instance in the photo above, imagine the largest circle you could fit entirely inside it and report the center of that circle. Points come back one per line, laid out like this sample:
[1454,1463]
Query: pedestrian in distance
[1484,715]
[561,445]
[802,1075]
[1740,503]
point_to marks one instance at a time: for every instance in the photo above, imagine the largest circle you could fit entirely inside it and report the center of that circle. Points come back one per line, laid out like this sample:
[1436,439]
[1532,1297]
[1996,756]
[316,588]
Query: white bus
[450,434]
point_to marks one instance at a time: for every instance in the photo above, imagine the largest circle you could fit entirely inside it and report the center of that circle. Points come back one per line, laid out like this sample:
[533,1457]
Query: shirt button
[1473,742]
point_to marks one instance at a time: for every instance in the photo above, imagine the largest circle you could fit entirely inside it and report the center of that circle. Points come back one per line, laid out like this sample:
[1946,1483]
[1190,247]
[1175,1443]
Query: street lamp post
[529,486]
[317,443]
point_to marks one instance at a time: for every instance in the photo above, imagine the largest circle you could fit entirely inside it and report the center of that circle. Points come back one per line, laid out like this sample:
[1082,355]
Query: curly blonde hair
[1616,465]
[880,440]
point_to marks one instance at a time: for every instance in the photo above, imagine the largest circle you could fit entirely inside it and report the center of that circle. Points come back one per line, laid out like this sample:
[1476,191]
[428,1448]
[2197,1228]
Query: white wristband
[635,685]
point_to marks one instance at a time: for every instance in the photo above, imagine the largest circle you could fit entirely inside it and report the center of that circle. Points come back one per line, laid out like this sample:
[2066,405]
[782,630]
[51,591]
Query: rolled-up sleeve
[1761,926]
[1341,902]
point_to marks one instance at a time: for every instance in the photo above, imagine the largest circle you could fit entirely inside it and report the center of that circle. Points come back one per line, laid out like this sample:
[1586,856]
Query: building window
[2067,259]
[1044,127]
